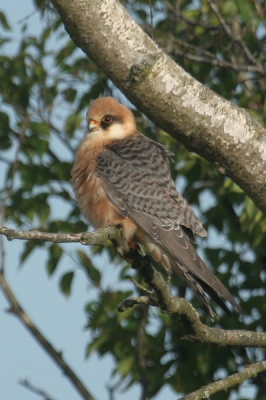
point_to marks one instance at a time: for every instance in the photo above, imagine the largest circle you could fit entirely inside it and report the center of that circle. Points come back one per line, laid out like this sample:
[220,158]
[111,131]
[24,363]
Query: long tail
[189,266]
[201,288]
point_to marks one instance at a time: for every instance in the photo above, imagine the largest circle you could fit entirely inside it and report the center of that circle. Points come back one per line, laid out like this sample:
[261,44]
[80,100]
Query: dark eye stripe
[115,119]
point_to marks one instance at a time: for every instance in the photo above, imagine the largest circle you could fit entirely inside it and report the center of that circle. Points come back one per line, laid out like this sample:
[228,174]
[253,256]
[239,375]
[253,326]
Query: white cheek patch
[117,131]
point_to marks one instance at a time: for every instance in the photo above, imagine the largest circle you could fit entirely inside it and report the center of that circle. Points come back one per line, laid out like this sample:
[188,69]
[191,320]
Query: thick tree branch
[204,122]
[17,310]
[206,391]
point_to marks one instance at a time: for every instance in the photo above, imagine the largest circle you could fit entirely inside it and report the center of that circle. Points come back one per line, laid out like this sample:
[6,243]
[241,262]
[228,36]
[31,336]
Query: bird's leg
[133,254]
[126,249]
[120,245]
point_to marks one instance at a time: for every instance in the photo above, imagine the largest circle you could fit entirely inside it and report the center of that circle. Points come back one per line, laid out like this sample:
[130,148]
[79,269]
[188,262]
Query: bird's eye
[107,119]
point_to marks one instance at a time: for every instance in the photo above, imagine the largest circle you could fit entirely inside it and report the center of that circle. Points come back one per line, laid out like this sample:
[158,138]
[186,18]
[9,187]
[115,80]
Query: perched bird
[122,177]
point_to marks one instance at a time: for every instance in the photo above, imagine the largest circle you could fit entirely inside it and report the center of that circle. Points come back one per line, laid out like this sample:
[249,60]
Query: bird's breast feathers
[88,187]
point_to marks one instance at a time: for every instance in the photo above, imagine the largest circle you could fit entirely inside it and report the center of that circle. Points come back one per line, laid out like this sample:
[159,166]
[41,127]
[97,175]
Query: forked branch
[160,297]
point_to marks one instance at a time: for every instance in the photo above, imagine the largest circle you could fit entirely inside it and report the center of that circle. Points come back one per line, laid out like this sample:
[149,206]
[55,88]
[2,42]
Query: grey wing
[136,177]
[138,169]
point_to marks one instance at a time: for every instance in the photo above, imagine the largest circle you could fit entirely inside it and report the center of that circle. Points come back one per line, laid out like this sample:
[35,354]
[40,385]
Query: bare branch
[96,238]
[206,391]
[231,34]
[223,23]
[40,392]
[176,10]
[216,62]
[151,20]
[140,350]
[259,9]
[161,298]
[196,330]
[10,183]
[17,310]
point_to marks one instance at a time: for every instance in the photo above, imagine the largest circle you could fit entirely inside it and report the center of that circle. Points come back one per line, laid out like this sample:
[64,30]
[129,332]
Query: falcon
[121,177]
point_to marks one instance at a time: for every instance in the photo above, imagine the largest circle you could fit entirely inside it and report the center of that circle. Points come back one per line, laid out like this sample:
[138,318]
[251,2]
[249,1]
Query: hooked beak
[93,125]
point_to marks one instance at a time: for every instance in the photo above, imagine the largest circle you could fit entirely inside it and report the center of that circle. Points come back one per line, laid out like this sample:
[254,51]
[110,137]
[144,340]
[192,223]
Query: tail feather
[201,295]
[201,288]
[181,252]
[173,250]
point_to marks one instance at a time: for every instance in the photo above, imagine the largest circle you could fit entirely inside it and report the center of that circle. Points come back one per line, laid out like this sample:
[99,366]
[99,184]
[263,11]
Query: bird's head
[108,119]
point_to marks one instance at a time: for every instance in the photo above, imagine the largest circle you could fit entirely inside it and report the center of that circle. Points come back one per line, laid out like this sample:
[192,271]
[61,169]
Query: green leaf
[70,95]
[73,122]
[92,272]
[66,283]
[3,22]
[29,247]
[63,170]
[125,366]
[55,254]
[5,140]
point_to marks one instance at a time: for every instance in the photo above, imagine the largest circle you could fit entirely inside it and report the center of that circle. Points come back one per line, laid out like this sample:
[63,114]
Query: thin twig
[203,56]
[10,188]
[140,350]
[216,62]
[180,17]
[40,392]
[17,310]
[259,9]
[151,20]
[221,19]
[230,34]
